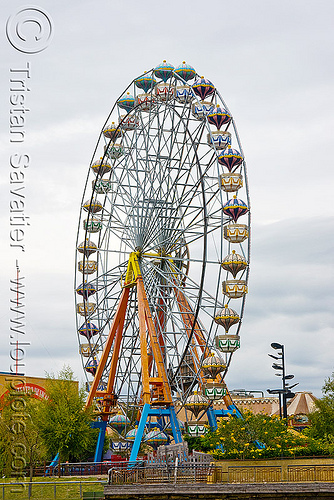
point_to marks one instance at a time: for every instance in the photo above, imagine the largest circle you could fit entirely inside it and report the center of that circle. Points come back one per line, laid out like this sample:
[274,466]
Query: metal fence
[123,473]
[305,473]
[271,474]
[76,469]
[159,474]
[49,490]
[209,474]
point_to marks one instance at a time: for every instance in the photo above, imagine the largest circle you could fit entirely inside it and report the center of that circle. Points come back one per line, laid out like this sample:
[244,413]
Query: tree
[63,421]
[5,440]
[21,444]
[244,438]
[322,419]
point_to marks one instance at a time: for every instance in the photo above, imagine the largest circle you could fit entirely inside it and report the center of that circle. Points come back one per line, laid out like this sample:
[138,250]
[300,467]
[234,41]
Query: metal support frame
[212,418]
[233,410]
[139,433]
[52,464]
[55,460]
[146,324]
[169,412]
[154,412]
[214,414]
[102,426]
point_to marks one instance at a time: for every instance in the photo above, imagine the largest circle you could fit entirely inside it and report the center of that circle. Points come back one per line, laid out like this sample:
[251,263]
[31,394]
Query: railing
[77,469]
[209,474]
[247,474]
[186,472]
[271,474]
[49,490]
[305,473]
[159,474]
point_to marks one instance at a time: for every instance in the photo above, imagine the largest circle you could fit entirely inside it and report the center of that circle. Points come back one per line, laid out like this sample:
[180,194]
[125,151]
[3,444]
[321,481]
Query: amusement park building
[34,385]
[298,408]
[266,405]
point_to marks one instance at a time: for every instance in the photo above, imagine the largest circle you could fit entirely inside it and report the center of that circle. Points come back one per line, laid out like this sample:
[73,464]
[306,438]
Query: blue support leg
[235,412]
[102,426]
[212,418]
[139,433]
[175,425]
[231,410]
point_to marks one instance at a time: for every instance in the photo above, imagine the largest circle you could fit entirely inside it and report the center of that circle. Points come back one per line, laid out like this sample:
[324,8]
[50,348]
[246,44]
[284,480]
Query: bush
[257,436]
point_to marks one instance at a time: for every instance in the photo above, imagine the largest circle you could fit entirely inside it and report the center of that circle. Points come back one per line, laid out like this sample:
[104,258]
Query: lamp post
[284,393]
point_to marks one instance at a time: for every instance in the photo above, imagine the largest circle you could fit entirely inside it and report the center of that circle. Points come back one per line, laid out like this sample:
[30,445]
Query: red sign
[36,391]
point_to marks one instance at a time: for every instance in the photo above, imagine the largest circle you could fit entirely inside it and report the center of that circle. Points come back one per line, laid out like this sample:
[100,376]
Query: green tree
[322,419]
[5,440]
[21,444]
[239,438]
[35,447]
[64,423]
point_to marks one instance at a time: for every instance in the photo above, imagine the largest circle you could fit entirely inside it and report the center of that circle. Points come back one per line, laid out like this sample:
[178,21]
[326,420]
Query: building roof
[301,403]
[268,405]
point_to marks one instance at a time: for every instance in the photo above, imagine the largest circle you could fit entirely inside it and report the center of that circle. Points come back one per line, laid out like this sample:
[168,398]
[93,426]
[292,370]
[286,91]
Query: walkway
[252,491]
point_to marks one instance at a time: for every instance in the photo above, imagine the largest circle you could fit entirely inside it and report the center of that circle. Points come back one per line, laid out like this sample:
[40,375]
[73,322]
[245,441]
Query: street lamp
[284,393]
[275,345]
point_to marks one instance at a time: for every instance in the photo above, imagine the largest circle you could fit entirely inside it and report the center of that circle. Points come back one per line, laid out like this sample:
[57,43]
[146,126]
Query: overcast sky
[273,64]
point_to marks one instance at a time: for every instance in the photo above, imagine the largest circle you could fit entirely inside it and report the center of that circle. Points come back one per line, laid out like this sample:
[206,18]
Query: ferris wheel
[162,250]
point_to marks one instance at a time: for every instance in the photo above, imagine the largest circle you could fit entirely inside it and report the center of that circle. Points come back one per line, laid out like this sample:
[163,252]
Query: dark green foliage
[236,438]
[41,429]
[197,444]
[63,422]
[21,445]
[322,419]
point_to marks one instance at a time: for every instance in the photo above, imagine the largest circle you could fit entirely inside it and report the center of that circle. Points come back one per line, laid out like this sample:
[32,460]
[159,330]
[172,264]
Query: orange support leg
[118,320]
[146,318]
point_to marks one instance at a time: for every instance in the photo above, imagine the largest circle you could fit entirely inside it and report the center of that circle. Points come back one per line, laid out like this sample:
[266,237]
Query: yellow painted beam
[133,270]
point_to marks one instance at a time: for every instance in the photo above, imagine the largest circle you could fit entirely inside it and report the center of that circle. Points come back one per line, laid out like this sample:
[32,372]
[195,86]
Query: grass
[53,488]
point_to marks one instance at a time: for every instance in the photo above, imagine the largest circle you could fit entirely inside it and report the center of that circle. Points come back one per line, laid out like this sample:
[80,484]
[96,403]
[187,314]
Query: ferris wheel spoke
[209,302]
[170,281]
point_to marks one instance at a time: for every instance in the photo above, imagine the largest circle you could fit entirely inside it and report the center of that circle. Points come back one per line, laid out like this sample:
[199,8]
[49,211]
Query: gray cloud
[270,61]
